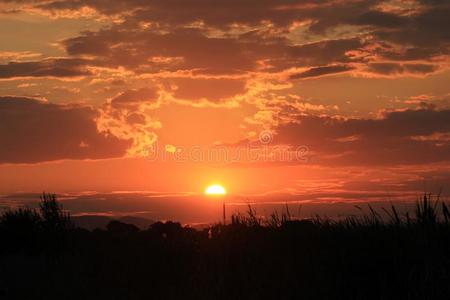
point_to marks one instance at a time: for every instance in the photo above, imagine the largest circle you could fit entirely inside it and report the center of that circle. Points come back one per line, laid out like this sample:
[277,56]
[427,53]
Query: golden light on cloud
[215,190]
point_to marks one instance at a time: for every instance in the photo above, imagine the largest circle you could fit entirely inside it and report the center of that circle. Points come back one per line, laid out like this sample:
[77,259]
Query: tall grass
[429,211]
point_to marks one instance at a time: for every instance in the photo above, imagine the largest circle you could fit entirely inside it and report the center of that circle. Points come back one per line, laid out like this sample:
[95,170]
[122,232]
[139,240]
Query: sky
[304,101]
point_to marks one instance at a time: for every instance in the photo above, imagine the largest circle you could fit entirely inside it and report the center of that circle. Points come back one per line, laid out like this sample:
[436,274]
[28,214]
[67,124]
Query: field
[44,256]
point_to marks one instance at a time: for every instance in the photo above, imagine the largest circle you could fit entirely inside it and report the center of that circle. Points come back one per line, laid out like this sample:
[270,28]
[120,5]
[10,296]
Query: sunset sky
[138,105]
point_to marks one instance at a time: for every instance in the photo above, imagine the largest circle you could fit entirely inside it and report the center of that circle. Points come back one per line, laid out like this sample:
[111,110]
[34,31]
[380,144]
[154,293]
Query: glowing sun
[215,189]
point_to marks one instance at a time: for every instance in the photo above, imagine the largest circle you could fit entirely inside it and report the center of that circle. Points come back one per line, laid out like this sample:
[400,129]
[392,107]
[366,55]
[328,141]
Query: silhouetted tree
[167,229]
[120,227]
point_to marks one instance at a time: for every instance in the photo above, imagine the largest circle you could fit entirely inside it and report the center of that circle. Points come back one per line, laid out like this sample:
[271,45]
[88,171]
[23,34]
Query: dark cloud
[429,28]
[397,68]
[324,52]
[191,49]
[34,131]
[403,137]
[57,67]
[136,96]
[320,71]
[178,36]
[220,13]
[180,49]
[411,53]
[380,19]
[223,14]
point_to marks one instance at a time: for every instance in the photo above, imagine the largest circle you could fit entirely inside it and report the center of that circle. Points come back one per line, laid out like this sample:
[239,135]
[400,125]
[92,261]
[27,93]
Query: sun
[215,189]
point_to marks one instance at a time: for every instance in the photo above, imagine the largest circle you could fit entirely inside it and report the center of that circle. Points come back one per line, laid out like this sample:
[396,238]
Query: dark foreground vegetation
[43,256]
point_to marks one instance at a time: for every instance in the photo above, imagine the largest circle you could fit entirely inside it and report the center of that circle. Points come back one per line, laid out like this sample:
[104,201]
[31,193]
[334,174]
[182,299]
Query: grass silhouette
[378,255]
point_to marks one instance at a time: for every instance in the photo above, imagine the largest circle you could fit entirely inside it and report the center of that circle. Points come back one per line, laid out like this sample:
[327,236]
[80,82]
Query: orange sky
[354,93]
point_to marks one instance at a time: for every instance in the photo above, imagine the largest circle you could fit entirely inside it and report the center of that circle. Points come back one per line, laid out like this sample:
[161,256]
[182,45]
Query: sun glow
[215,189]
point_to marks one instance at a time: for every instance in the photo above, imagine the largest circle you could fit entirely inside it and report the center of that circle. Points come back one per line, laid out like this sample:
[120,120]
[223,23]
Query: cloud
[220,13]
[324,52]
[17,55]
[52,67]
[136,96]
[146,51]
[216,50]
[153,52]
[428,27]
[35,131]
[136,118]
[125,116]
[380,19]
[392,139]
[321,71]
[397,68]
[151,37]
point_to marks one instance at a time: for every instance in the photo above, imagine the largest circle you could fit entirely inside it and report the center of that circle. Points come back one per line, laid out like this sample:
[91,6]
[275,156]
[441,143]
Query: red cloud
[389,140]
[35,131]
